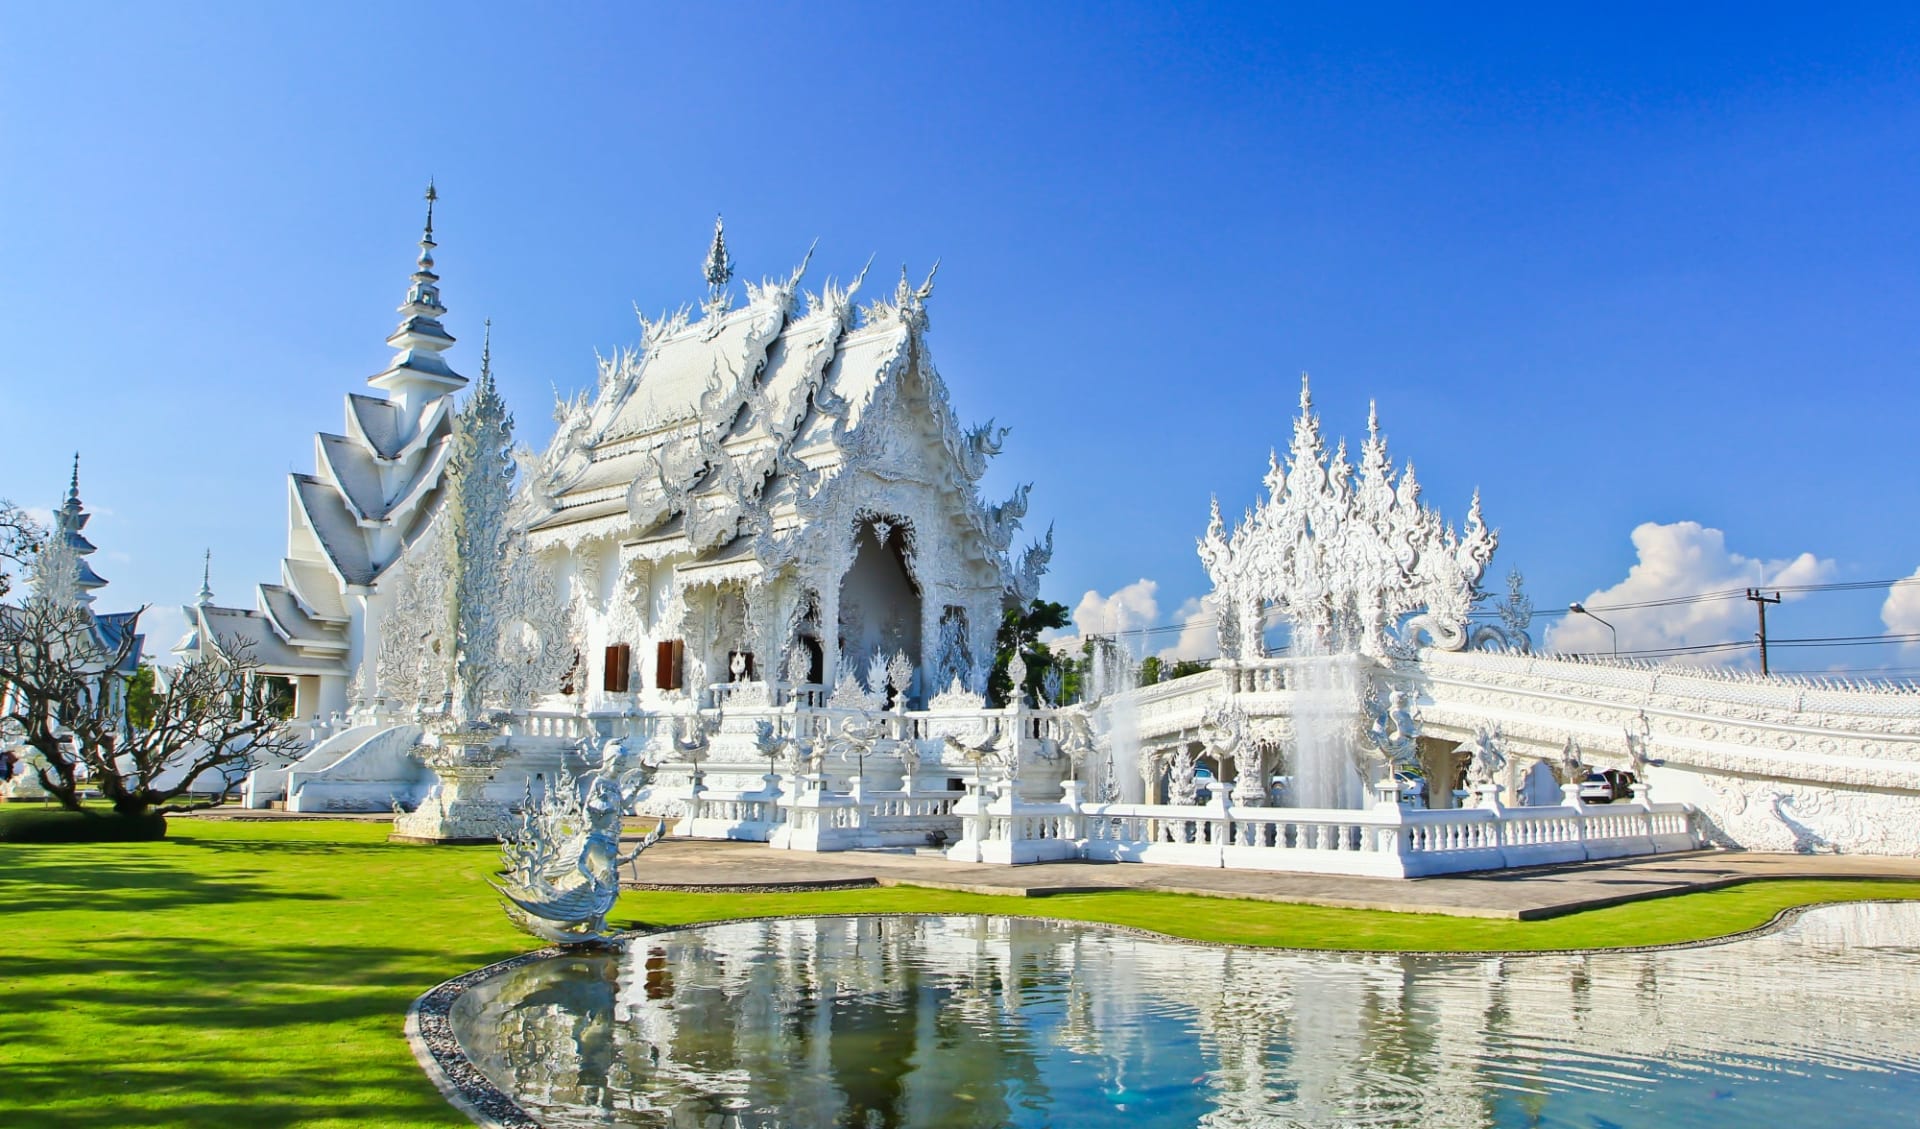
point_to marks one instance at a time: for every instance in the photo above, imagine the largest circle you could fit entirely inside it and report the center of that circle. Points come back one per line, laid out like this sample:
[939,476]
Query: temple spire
[205,595]
[418,371]
[719,266]
[68,524]
[718,271]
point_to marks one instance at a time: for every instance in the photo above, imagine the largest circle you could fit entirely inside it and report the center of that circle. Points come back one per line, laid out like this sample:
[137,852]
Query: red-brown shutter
[666,665]
[618,668]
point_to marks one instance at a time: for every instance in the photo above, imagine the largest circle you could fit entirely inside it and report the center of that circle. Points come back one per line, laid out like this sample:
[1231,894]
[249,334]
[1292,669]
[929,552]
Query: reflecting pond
[989,1021]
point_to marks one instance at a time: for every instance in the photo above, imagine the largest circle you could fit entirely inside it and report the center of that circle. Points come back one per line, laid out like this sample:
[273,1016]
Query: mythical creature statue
[563,863]
[1640,744]
[1078,741]
[1393,730]
[1183,789]
[1487,750]
[1573,768]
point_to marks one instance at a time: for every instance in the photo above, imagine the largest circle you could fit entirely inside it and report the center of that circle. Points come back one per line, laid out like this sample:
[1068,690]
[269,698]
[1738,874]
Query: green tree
[140,697]
[1020,630]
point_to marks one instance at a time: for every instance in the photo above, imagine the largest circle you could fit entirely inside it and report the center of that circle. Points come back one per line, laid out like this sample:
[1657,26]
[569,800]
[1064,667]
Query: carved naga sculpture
[562,865]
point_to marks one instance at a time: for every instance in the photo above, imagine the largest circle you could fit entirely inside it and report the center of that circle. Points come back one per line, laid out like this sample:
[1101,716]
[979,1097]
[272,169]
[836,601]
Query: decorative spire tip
[719,266]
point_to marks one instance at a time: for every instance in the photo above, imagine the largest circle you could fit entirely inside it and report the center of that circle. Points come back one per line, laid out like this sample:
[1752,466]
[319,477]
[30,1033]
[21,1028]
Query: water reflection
[975,1021]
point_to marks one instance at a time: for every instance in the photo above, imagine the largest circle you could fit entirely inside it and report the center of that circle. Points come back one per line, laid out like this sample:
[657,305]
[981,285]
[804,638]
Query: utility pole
[1760,602]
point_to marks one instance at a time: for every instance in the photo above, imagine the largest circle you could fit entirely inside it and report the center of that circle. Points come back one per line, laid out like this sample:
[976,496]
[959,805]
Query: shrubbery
[20,824]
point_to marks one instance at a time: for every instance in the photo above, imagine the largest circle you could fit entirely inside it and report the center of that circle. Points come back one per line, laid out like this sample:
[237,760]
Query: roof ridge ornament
[719,266]
[205,595]
[718,271]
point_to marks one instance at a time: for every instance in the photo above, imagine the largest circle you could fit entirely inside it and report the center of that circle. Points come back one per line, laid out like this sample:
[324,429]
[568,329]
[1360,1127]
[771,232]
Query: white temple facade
[776,492]
[757,550]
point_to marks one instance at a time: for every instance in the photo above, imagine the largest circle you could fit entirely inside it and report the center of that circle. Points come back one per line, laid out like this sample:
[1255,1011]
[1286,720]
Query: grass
[258,974]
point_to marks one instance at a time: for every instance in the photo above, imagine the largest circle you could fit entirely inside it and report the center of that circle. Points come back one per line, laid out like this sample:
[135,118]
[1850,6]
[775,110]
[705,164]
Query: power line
[1271,618]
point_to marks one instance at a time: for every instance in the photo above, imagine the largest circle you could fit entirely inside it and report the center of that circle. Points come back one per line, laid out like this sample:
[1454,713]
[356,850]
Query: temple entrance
[879,602]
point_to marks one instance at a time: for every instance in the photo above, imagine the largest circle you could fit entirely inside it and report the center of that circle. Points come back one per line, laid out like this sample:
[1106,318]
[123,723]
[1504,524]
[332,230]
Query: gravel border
[429,1028]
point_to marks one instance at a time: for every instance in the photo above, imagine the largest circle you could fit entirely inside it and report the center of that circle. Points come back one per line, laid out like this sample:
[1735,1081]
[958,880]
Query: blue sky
[1613,266]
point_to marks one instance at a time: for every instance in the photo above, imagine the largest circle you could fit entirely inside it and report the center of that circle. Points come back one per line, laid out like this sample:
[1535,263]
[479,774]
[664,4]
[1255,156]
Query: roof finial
[719,268]
[73,487]
[206,582]
[432,195]
[1306,394]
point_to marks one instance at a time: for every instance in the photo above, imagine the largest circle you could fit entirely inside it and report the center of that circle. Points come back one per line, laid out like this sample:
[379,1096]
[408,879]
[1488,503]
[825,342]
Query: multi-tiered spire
[68,523]
[205,595]
[418,371]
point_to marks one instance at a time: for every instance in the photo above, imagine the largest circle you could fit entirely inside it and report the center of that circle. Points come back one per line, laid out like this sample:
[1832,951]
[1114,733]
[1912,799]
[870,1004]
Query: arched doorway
[879,599]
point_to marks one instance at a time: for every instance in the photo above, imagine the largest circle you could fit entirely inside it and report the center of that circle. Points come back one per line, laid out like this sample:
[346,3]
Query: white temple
[64,563]
[757,551]
[776,491]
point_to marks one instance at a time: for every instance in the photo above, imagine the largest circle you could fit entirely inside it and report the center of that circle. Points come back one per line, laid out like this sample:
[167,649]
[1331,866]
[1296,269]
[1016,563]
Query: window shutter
[618,668]
[666,668]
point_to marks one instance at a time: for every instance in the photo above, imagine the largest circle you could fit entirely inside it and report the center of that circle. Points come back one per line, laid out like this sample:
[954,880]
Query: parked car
[1606,787]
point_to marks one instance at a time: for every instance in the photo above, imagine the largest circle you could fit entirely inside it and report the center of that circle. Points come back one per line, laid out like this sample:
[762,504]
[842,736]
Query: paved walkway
[1514,894]
[1549,891]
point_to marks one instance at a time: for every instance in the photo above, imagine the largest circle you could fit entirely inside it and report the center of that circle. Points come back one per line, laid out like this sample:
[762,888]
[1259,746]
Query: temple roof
[227,630]
[374,485]
[699,436]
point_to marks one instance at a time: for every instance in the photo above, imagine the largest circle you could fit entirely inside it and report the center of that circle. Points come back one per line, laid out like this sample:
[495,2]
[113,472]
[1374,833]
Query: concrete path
[687,864]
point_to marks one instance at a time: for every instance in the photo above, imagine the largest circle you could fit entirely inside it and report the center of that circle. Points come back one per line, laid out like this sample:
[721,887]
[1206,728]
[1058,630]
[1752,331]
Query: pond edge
[429,1026]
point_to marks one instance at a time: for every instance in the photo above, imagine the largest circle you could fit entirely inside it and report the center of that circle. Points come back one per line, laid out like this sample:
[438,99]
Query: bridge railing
[1382,841]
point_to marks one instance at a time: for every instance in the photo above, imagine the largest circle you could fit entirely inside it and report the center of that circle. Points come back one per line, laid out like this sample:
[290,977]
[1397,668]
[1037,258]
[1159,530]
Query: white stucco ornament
[1349,556]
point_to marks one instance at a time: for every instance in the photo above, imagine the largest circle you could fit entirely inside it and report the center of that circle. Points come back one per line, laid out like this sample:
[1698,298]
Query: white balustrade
[1382,841]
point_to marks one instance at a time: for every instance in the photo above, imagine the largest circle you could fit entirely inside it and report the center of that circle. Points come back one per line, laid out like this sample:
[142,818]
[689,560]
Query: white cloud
[1133,606]
[1198,639]
[1684,558]
[1901,612]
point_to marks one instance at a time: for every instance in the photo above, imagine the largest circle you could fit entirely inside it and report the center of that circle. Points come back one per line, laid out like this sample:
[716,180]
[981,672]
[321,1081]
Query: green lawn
[257,974]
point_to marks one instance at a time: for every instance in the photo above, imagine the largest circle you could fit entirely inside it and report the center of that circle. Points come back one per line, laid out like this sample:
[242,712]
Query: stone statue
[562,865]
[1573,768]
[1182,789]
[1488,758]
[1394,731]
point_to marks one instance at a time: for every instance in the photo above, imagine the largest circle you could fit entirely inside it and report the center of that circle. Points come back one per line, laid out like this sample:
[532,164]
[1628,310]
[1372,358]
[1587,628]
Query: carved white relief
[1346,555]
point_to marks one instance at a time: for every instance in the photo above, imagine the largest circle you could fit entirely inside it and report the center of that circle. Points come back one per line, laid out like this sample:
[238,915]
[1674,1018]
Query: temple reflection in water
[975,1021]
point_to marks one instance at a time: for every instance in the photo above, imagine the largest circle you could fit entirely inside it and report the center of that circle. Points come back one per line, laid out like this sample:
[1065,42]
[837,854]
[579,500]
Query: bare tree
[20,536]
[61,680]
[54,683]
[216,716]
